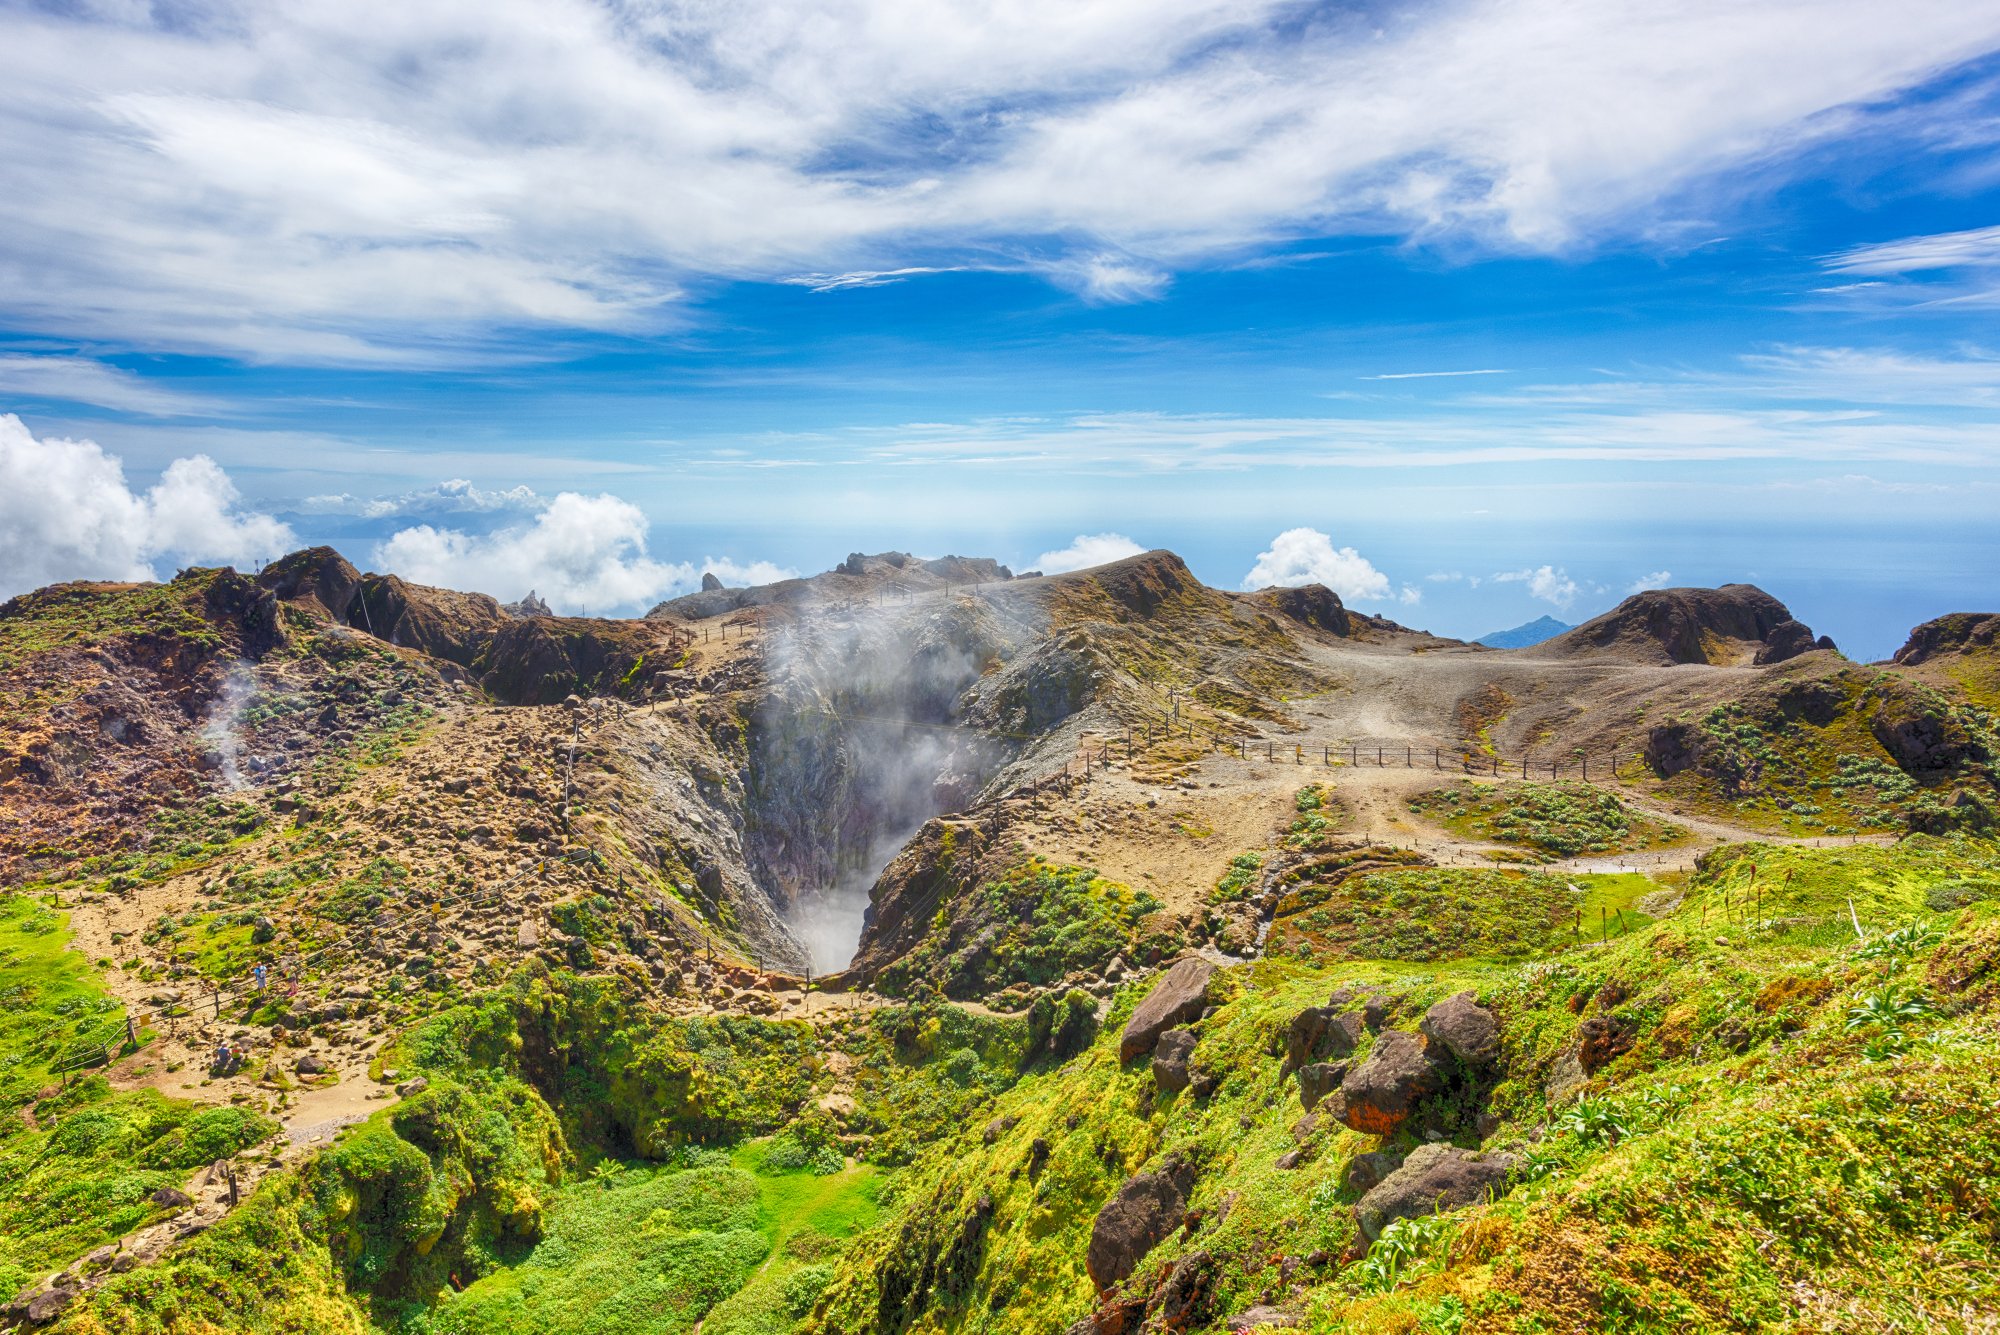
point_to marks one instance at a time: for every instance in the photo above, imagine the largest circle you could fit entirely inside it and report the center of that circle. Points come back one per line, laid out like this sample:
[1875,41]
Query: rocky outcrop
[1319,1034]
[1318,1080]
[1466,1029]
[1735,625]
[1380,1093]
[1365,1171]
[1176,999]
[1435,1179]
[1170,1060]
[1312,605]
[1145,1210]
[1956,634]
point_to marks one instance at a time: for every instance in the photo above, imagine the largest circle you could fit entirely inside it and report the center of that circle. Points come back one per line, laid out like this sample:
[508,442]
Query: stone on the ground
[1145,1210]
[1170,1060]
[1384,1089]
[1465,1028]
[1319,1033]
[1176,999]
[1435,1179]
[1319,1080]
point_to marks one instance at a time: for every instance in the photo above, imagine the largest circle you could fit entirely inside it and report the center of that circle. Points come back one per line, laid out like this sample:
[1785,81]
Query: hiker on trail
[258,972]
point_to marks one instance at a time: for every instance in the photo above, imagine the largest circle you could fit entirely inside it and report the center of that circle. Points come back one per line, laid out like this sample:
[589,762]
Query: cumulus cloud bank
[1089,549]
[1551,584]
[66,512]
[582,554]
[1308,556]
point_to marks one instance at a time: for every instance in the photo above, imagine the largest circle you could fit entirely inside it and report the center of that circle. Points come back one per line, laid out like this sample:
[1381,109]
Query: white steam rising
[219,728]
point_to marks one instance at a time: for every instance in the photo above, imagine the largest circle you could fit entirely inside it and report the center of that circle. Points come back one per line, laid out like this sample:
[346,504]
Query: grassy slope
[1747,1165]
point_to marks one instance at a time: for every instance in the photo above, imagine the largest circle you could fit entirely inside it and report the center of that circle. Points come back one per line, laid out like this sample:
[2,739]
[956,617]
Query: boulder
[1364,1172]
[1319,1033]
[1170,1060]
[1319,1080]
[412,1086]
[310,1064]
[47,1305]
[1175,1000]
[1465,1028]
[167,1198]
[1435,1179]
[1145,1210]
[1384,1088]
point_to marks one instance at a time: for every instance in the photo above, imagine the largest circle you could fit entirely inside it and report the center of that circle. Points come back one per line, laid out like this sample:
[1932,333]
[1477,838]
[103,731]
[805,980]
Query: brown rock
[1465,1028]
[1176,999]
[1435,1179]
[1319,1033]
[1145,1210]
[1170,1060]
[1383,1090]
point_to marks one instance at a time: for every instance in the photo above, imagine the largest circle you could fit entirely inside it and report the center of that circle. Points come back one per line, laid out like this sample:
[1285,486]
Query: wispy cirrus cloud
[272,181]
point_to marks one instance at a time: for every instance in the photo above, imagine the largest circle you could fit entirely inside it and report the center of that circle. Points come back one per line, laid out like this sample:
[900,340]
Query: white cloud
[1432,375]
[387,182]
[82,380]
[67,513]
[1977,247]
[836,282]
[1308,556]
[581,554]
[1551,584]
[1089,549]
[1410,595]
[454,496]
[1658,579]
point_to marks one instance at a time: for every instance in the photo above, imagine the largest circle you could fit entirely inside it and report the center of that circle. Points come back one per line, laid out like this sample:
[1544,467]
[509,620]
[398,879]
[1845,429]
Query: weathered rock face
[1732,625]
[1318,1080]
[1170,1060]
[1312,605]
[1365,1171]
[1435,1179]
[1788,639]
[1383,1090]
[1145,1210]
[1958,633]
[1321,1033]
[1465,1028]
[1176,999]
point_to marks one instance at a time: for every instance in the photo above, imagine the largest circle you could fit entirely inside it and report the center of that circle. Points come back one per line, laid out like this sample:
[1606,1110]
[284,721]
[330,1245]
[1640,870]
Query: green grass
[1438,913]
[1754,1145]
[1553,819]
[53,1011]
[1036,923]
[657,1249]
[85,1177]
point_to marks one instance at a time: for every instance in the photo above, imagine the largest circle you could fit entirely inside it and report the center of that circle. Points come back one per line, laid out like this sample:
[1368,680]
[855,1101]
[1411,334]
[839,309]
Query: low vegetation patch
[1552,819]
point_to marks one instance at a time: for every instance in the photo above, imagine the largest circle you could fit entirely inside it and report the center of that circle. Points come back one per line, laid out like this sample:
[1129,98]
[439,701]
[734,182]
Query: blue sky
[1476,311]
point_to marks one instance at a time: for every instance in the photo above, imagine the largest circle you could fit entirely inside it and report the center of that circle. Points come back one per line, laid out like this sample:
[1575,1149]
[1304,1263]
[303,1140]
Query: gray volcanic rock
[1176,999]
[1170,1060]
[1145,1210]
[1321,1032]
[1435,1179]
[1464,1027]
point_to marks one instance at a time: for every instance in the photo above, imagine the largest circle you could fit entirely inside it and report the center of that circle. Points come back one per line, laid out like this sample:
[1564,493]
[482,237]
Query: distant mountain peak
[1520,637]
